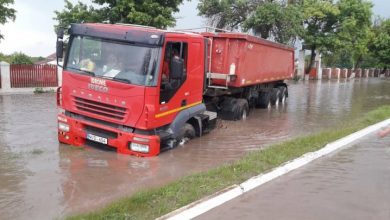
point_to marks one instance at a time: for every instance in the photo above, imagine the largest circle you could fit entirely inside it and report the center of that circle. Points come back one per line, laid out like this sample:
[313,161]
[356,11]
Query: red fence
[27,76]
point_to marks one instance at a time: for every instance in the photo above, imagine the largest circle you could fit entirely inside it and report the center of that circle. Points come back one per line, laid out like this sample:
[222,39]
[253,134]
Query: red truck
[140,90]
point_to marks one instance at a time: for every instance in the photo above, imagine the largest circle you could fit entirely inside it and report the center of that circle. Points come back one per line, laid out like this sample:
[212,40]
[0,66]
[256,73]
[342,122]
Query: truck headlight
[143,148]
[63,127]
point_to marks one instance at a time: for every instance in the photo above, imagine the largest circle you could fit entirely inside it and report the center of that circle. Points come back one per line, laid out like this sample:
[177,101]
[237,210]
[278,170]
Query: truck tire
[242,109]
[275,93]
[264,100]
[227,108]
[282,94]
[187,133]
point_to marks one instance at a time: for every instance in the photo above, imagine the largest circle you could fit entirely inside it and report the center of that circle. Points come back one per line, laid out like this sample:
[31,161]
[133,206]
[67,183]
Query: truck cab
[133,89]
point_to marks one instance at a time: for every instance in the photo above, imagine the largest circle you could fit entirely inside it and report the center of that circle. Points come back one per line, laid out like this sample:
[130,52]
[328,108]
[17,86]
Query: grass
[153,203]
[40,90]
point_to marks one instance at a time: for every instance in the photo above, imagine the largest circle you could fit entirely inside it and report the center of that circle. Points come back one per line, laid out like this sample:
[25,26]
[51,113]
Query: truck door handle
[184,102]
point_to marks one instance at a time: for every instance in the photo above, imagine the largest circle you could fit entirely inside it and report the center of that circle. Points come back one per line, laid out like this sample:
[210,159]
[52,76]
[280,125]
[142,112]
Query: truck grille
[106,110]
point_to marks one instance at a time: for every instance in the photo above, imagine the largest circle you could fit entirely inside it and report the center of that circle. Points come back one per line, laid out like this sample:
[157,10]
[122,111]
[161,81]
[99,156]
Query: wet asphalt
[353,183]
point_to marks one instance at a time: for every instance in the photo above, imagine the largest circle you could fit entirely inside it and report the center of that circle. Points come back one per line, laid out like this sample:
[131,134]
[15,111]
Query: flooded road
[350,184]
[41,179]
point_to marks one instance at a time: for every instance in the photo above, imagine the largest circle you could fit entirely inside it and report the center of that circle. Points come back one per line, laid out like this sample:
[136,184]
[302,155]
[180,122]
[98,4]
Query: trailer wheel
[228,108]
[282,94]
[264,100]
[242,109]
[187,133]
[275,93]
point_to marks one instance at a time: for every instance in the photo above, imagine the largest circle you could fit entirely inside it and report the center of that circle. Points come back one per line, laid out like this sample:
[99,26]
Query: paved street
[353,183]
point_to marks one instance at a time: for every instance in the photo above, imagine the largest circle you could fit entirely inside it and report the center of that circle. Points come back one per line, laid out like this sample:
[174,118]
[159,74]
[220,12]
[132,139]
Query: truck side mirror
[176,68]
[59,49]
[60,44]
[60,33]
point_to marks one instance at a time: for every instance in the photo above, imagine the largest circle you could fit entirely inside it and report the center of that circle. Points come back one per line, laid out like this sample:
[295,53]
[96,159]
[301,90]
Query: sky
[33,34]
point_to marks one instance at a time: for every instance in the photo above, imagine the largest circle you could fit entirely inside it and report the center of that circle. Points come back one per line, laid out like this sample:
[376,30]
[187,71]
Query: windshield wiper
[86,72]
[122,80]
[116,79]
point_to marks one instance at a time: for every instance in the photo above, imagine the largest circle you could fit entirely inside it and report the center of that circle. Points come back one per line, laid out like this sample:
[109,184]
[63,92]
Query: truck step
[217,87]
[212,115]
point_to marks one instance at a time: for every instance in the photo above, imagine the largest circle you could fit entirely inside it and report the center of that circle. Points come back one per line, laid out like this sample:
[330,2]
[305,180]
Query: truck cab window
[174,71]
[114,60]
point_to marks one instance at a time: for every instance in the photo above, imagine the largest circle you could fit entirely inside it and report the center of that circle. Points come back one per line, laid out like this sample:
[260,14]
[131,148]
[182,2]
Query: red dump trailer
[253,60]
[246,71]
[140,90]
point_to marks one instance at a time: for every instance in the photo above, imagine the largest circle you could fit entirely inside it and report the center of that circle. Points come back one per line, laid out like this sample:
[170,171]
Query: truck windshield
[113,60]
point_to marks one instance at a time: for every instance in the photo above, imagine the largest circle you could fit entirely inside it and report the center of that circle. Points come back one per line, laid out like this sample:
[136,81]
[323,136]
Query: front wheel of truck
[187,133]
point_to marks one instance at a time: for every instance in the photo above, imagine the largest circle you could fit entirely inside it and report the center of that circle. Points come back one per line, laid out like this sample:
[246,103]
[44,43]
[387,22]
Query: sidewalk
[350,184]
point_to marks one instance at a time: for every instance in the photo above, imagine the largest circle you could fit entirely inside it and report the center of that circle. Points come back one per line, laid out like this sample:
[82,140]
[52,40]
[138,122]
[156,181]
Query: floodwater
[41,179]
[350,184]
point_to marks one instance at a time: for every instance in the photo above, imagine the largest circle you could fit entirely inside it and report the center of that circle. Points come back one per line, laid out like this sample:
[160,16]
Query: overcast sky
[32,32]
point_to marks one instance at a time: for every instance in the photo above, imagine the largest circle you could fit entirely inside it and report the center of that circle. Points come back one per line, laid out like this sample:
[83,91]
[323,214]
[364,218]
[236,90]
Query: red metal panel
[31,76]
[256,60]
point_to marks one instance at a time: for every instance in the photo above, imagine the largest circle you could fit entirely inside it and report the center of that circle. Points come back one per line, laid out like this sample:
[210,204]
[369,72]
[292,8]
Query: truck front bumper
[84,133]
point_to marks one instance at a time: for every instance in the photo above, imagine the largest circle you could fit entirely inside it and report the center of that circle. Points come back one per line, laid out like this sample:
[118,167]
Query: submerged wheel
[187,133]
[275,93]
[282,94]
[264,100]
[227,108]
[233,109]
[242,111]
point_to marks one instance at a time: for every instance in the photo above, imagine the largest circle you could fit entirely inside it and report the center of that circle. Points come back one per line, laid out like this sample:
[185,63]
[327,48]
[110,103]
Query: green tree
[226,14]
[321,18]
[6,12]
[355,28]
[272,19]
[20,58]
[279,20]
[380,43]
[340,58]
[5,58]
[156,13]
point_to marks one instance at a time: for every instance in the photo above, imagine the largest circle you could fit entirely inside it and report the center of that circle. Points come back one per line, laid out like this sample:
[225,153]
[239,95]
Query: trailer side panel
[253,60]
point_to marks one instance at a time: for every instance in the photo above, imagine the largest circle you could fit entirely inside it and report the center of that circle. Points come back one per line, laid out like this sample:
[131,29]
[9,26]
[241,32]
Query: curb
[201,206]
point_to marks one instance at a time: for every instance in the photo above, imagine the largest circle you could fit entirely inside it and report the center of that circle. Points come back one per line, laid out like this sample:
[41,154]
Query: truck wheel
[275,96]
[187,133]
[228,108]
[264,100]
[282,94]
[242,109]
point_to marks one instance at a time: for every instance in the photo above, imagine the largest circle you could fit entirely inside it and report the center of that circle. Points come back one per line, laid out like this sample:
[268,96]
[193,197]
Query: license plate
[98,139]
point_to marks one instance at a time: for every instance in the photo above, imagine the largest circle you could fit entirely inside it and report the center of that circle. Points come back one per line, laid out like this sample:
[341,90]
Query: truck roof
[125,32]
[155,36]
[125,27]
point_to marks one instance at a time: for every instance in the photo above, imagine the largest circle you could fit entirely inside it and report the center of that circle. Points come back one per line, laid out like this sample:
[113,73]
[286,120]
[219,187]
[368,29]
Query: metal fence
[30,76]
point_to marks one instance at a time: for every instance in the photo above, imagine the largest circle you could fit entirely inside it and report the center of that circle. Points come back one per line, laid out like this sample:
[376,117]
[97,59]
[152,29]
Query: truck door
[174,74]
